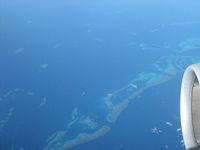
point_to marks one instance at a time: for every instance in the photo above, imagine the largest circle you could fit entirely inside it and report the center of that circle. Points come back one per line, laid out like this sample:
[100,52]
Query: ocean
[103,75]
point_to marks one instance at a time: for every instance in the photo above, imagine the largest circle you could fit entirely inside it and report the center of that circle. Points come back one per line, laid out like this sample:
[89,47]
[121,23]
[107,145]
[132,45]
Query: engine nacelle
[190,107]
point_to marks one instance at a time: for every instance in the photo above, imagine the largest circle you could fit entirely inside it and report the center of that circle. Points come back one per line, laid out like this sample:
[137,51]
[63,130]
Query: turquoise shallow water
[91,75]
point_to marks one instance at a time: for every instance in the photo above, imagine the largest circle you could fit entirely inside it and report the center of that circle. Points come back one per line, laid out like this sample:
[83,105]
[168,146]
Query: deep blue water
[73,53]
